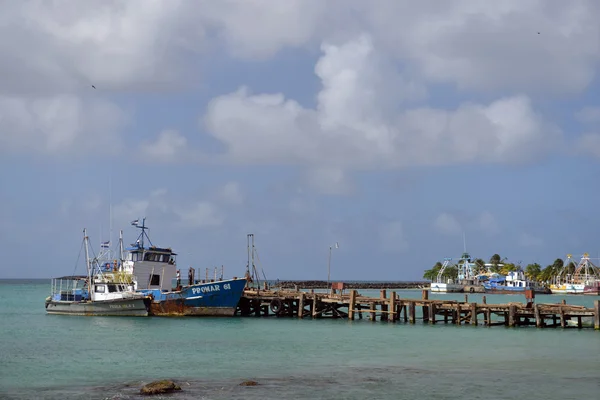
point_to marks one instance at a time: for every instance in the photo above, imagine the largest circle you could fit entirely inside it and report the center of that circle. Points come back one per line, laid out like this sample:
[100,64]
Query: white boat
[442,285]
[106,290]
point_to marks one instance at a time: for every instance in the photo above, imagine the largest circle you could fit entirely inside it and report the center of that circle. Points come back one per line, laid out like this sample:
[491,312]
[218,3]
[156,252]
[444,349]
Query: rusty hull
[177,308]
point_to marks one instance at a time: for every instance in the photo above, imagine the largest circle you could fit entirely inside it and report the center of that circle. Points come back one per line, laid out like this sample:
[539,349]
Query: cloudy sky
[391,127]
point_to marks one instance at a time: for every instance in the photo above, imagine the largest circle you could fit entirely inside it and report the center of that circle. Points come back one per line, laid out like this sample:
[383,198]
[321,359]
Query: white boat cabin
[153,267]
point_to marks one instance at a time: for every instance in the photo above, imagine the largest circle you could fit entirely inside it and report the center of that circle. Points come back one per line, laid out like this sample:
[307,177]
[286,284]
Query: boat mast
[87,262]
[121,249]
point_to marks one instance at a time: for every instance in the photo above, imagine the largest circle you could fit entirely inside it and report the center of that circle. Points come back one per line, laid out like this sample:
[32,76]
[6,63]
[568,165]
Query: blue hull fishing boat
[513,283]
[155,274]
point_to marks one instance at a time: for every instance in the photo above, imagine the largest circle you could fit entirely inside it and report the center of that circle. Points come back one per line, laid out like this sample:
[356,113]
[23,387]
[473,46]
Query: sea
[71,357]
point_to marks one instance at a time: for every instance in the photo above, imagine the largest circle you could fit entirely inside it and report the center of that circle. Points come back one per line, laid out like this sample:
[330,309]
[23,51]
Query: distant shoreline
[311,284]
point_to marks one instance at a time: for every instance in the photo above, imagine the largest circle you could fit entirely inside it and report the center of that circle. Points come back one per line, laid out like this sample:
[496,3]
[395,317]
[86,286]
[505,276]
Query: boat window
[112,288]
[99,288]
[155,280]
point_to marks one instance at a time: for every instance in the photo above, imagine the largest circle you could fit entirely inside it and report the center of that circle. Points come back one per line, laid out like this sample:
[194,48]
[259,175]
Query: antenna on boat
[110,222]
[464,242]
[140,239]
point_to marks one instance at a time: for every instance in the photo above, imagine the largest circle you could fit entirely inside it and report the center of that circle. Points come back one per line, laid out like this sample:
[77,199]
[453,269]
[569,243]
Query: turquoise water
[69,357]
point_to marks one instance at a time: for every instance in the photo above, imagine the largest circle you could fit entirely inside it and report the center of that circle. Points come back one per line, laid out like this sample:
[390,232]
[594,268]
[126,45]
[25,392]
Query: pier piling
[302,304]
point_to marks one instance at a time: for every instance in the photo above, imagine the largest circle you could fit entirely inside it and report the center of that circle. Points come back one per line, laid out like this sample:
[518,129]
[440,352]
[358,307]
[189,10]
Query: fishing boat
[580,278]
[514,282]
[104,291]
[157,276]
[448,285]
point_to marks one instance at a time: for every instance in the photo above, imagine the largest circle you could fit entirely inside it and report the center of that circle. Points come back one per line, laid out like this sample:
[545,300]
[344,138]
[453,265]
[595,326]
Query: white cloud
[59,124]
[143,44]
[494,46]
[392,237]
[169,146]
[528,240]
[130,209]
[447,224]
[199,215]
[353,125]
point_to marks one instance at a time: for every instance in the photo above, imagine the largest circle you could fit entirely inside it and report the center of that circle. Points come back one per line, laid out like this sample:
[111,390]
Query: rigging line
[260,264]
[78,257]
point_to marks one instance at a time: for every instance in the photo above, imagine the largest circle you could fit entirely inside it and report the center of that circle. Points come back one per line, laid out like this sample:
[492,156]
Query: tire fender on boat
[276,306]
[472,290]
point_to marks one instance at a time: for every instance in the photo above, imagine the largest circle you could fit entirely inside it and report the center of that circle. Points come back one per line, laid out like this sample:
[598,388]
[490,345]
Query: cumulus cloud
[169,146]
[205,211]
[483,46]
[353,125]
[59,124]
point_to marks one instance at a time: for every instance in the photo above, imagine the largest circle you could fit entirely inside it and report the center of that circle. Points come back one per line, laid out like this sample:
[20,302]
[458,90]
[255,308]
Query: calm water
[68,357]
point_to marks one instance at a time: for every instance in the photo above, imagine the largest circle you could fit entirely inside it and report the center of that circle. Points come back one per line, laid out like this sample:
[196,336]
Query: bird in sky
[94,86]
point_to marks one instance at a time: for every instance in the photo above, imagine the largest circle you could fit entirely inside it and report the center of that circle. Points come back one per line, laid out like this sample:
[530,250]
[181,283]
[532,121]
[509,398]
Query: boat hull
[593,289]
[214,299]
[568,288]
[123,307]
[446,288]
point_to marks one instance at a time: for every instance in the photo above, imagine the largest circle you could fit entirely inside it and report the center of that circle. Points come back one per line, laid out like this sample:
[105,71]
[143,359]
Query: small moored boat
[102,292]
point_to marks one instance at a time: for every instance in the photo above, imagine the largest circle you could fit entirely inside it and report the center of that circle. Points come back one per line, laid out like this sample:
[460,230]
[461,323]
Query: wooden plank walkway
[392,308]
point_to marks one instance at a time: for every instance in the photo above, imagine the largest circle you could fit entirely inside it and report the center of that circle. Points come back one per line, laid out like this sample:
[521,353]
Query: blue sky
[390,127]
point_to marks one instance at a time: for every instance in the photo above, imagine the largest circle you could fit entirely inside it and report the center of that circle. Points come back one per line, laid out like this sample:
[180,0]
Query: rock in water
[158,387]
[249,383]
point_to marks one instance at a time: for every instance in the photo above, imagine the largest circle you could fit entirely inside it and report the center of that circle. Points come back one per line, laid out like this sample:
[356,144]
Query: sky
[394,128]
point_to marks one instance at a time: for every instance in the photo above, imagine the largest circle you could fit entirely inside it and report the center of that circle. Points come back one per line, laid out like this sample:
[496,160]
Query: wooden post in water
[411,312]
[393,315]
[425,296]
[351,304]
[563,322]
[404,312]
[384,307]
[315,306]
[301,306]
[373,311]
[466,298]
[488,316]
[539,322]
[473,313]
[456,313]
[512,313]
[597,314]
[432,313]
[484,300]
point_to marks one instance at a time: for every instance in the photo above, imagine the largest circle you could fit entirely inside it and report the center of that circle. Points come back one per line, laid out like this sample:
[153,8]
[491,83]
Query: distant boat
[443,285]
[156,275]
[514,282]
[583,280]
[107,295]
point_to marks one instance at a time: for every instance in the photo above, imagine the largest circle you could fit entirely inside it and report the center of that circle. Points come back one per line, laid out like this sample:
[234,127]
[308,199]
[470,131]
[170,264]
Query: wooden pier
[392,308]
